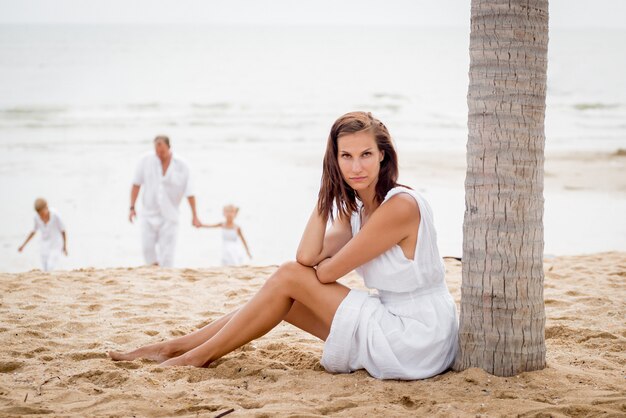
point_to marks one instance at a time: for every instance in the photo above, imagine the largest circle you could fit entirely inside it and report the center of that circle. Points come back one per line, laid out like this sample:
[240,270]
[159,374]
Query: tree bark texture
[502,315]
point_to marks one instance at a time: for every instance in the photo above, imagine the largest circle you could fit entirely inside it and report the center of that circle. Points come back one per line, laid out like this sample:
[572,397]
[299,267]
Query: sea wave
[596,106]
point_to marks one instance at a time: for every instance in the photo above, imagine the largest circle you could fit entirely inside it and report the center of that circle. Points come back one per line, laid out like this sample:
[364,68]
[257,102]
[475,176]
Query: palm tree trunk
[502,309]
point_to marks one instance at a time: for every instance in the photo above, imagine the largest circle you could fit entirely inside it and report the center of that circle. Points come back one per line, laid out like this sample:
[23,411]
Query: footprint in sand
[140,320]
[177,333]
[558,331]
[100,378]
[121,339]
[129,365]
[50,324]
[210,313]
[87,355]
[410,403]
[24,410]
[203,323]
[10,366]
[588,335]
[157,305]
[198,409]
[573,293]
[35,334]
[338,406]
[505,394]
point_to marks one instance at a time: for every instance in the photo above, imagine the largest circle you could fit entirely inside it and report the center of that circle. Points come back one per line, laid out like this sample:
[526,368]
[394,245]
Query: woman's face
[359,159]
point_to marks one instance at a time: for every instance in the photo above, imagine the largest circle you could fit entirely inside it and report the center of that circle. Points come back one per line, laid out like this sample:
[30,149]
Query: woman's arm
[391,223]
[317,243]
[28,238]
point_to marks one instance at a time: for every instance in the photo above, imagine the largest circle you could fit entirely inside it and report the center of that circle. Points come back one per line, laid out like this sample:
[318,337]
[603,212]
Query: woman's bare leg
[272,304]
[304,318]
[175,347]
[299,316]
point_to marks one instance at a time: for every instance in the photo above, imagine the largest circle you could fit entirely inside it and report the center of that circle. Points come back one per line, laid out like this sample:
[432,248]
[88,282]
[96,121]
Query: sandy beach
[56,328]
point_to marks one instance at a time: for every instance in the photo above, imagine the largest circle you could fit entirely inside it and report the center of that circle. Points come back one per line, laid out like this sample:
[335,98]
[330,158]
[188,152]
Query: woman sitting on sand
[407,330]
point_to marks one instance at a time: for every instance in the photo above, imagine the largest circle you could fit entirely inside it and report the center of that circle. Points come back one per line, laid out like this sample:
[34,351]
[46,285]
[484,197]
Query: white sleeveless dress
[408,329]
[232,248]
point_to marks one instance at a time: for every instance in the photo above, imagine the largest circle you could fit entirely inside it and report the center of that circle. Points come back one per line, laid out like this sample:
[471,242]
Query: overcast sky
[563,13]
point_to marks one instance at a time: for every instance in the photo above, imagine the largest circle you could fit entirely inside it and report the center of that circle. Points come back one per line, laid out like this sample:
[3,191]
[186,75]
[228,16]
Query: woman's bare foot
[184,360]
[155,352]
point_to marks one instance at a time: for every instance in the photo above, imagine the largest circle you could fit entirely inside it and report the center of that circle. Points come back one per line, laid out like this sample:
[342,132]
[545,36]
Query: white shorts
[50,259]
[158,239]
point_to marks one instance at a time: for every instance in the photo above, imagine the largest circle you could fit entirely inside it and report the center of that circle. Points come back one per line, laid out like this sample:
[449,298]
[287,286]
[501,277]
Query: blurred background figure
[166,179]
[233,242]
[53,236]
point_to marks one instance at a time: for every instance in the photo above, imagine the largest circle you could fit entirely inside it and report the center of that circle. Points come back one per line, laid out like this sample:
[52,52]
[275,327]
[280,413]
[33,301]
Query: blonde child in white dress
[407,329]
[233,242]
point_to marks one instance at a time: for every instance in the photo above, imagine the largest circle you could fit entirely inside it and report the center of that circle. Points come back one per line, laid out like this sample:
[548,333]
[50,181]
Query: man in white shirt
[166,180]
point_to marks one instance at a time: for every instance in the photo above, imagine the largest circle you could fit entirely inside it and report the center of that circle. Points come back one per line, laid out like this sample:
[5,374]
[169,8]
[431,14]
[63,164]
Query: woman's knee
[290,273]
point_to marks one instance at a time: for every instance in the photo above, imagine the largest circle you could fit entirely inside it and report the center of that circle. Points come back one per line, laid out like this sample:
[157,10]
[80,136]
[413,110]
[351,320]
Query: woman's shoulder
[402,206]
[401,192]
[403,200]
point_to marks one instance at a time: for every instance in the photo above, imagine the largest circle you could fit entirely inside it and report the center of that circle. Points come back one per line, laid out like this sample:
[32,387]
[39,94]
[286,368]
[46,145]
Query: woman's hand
[318,244]
[392,222]
[322,263]
[312,241]
[320,269]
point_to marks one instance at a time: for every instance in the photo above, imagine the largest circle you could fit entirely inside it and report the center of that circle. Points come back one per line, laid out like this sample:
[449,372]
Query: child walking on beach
[53,237]
[233,242]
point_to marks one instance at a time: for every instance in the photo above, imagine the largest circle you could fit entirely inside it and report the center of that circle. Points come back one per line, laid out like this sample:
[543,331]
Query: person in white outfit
[53,236]
[233,241]
[405,328]
[165,179]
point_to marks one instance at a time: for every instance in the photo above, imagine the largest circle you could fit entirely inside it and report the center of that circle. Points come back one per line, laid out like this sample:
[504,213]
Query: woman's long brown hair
[334,190]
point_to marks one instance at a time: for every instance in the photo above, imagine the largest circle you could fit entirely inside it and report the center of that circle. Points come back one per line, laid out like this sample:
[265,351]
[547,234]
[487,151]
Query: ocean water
[250,108]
